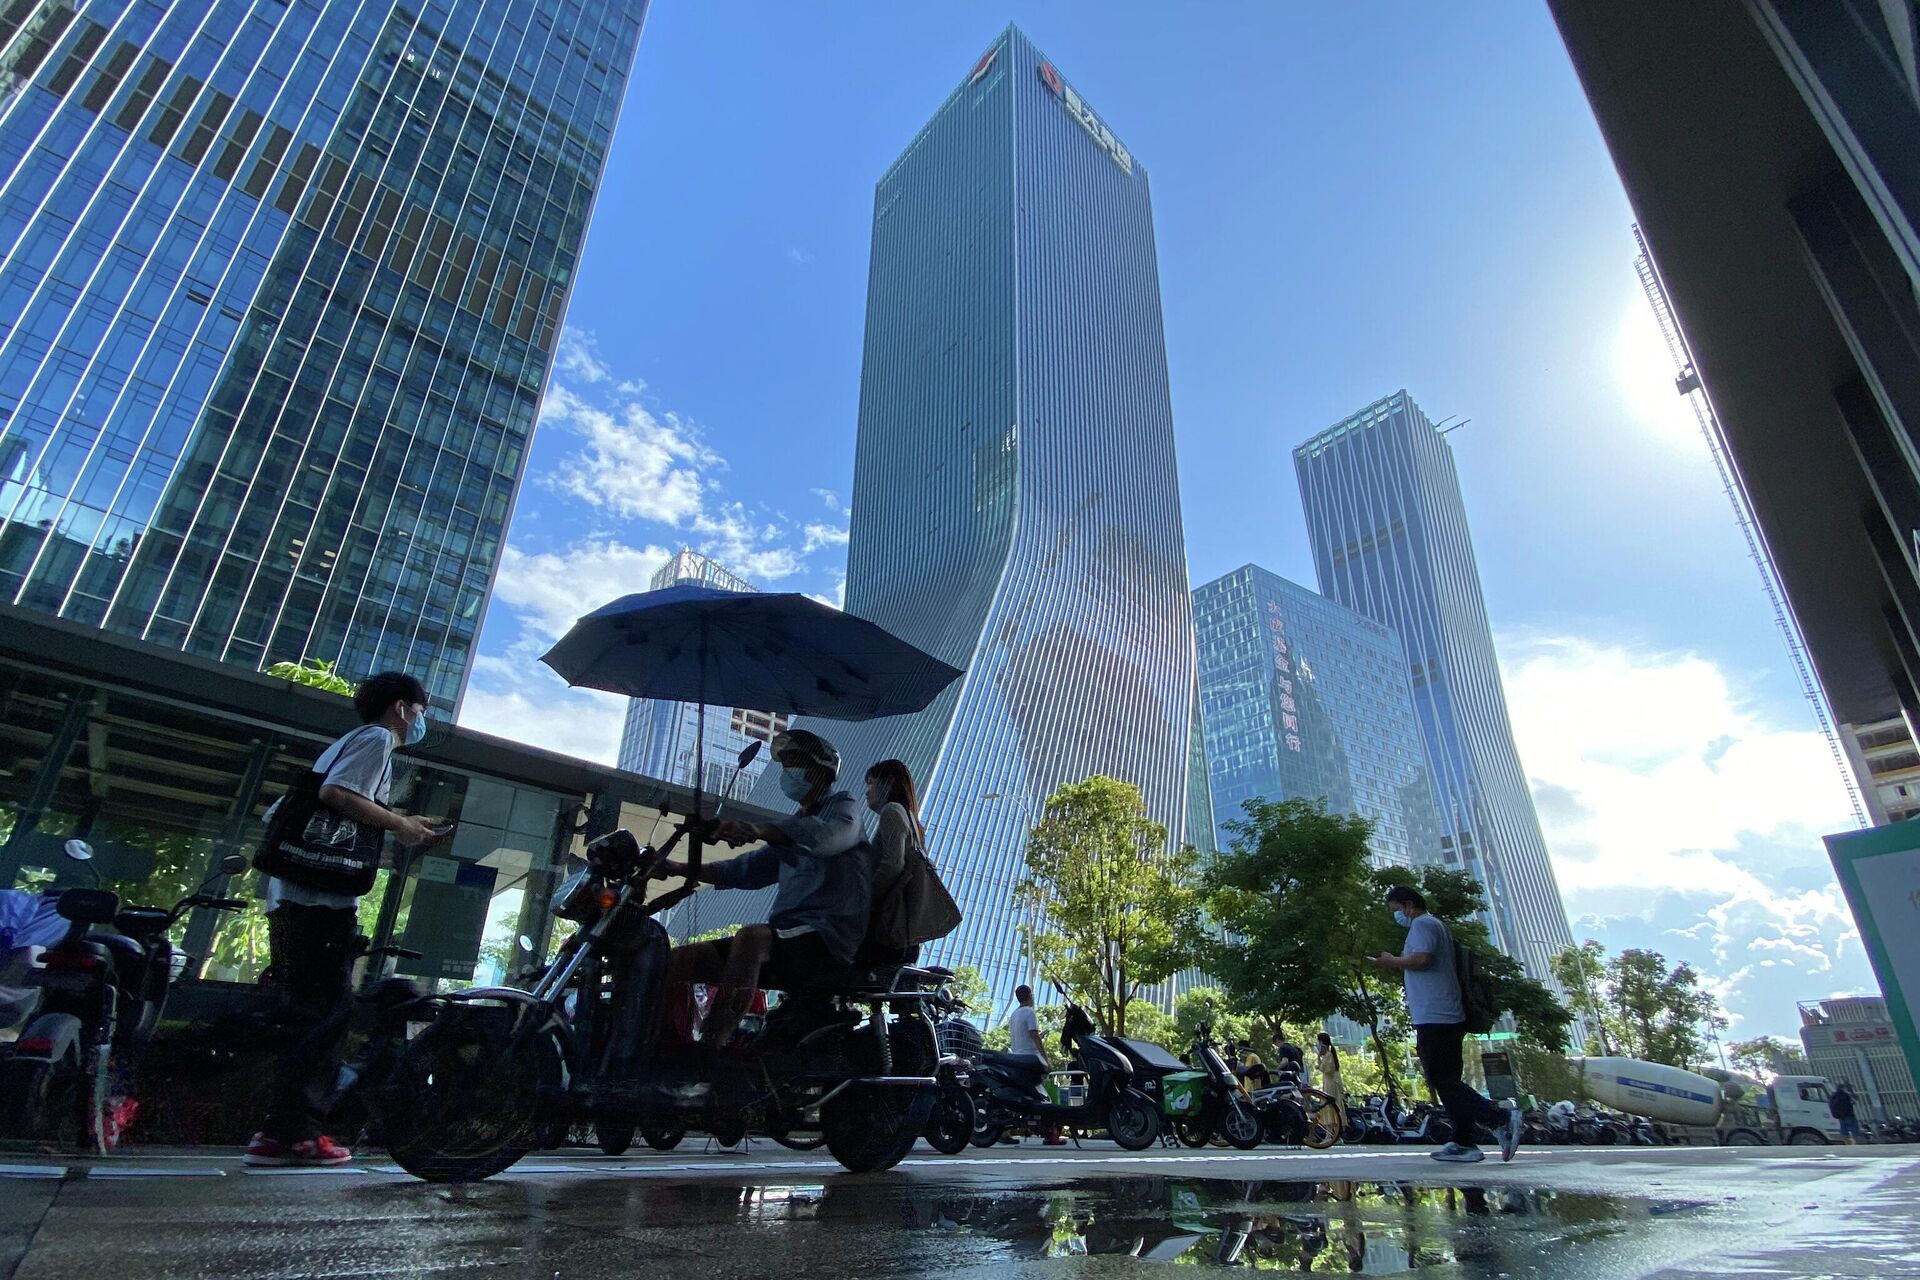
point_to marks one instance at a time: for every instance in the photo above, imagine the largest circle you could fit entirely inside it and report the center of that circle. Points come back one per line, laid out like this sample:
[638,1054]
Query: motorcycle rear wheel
[988,1135]
[613,1137]
[463,1102]
[662,1139]
[41,1101]
[1193,1133]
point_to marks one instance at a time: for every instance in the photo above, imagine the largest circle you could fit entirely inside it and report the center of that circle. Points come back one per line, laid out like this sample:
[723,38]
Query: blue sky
[1348,200]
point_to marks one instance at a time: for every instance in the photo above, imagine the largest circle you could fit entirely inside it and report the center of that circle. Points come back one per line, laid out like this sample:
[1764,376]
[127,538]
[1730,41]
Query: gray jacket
[825,875]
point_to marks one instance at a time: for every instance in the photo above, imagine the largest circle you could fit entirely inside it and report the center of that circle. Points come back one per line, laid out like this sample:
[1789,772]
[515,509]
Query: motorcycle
[1225,1108]
[497,1069]
[1098,1091]
[955,1115]
[1421,1124]
[101,998]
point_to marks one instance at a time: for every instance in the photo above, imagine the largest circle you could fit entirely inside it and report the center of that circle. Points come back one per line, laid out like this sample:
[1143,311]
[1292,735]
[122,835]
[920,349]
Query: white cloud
[548,591]
[538,709]
[799,257]
[830,499]
[635,465]
[578,355]
[824,535]
[1683,818]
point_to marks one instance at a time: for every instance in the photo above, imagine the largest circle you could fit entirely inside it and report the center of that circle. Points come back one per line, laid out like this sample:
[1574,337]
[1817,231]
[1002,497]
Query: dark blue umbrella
[777,652]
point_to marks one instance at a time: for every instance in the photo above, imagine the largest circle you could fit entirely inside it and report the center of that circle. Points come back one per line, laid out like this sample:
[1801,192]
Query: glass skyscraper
[1304,699]
[661,738]
[280,282]
[1390,540]
[1016,507]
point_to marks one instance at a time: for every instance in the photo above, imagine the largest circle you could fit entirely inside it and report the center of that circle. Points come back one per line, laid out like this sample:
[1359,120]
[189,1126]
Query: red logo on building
[1050,77]
[986,61]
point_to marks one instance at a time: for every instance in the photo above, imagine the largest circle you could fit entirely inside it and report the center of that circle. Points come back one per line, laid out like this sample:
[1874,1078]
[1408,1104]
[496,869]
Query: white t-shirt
[361,762]
[1024,1029]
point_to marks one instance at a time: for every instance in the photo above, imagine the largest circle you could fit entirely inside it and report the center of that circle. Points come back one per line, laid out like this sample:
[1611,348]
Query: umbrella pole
[700,752]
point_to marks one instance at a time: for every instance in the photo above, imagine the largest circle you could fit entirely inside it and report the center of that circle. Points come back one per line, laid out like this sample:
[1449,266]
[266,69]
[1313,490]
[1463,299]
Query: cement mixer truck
[1695,1111]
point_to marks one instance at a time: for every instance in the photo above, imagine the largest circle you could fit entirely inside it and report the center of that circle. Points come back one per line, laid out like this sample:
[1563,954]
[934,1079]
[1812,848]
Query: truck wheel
[1807,1138]
[1743,1138]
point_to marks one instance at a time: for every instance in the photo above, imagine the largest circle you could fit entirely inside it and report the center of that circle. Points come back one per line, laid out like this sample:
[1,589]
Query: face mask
[1402,919]
[416,730]
[795,783]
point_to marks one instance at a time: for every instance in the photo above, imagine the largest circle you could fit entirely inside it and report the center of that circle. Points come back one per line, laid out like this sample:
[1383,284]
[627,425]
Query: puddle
[1353,1228]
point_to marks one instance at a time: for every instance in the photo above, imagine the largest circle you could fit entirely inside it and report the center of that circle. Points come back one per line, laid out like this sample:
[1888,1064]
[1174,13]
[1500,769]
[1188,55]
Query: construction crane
[1687,382]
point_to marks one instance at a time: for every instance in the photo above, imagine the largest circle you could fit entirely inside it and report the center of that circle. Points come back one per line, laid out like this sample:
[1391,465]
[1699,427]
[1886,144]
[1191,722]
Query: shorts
[1850,1128]
[795,963]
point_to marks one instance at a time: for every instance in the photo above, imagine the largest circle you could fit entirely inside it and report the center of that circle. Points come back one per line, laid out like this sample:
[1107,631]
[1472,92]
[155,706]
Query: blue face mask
[795,783]
[1402,919]
[416,730]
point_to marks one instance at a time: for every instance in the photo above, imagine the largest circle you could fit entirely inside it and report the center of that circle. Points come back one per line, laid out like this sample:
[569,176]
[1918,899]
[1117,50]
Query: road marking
[150,1171]
[269,1171]
[32,1171]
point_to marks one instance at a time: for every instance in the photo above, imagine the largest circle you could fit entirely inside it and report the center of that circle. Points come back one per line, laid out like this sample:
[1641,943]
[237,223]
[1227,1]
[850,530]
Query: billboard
[1879,870]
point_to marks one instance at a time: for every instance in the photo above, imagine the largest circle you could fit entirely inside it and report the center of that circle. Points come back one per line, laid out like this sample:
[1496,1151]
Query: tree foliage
[1647,1008]
[1208,1005]
[1114,903]
[1765,1056]
[315,673]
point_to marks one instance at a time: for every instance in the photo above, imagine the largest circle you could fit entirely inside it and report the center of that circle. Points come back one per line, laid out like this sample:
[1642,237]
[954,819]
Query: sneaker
[1055,1142]
[314,1153]
[1454,1153]
[1510,1133]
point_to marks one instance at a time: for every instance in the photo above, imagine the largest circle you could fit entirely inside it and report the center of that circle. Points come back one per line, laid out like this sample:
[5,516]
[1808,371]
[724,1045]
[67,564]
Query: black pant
[1438,1046]
[312,970]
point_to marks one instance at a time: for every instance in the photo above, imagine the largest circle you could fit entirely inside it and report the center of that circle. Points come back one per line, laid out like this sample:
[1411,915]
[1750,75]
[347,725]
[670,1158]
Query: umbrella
[771,651]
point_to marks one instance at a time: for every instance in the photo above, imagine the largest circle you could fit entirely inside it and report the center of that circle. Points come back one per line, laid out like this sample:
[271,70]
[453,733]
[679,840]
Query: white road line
[32,1171]
[150,1171]
[269,1171]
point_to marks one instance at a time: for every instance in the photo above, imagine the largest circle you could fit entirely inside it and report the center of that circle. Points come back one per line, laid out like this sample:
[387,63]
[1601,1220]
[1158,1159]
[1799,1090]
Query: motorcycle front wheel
[662,1139]
[1132,1122]
[464,1099]
[613,1137]
[1193,1133]
[1240,1124]
[1324,1121]
[952,1126]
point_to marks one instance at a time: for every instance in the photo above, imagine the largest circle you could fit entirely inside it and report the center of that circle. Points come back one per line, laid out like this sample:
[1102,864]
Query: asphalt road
[1008,1212]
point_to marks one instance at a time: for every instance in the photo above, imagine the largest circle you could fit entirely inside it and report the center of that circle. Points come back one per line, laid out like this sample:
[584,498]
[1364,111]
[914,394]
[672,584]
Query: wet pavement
[1672,1214]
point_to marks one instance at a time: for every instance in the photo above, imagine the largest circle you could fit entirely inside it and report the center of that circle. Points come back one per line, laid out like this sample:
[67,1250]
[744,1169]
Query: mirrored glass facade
[1303,699]
[280,282]
[1016,508]
[1390,540]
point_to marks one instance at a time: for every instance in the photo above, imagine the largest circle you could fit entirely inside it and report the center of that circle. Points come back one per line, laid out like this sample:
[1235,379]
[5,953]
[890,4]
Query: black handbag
[315,847]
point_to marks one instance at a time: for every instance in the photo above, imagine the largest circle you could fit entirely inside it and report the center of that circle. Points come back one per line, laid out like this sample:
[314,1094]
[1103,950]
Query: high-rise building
[1304,699]
[1887,763]
[661,739]
[1390,541]
[280,285]
[1016,509]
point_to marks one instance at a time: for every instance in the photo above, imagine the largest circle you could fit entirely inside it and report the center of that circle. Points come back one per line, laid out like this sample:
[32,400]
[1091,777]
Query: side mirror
[749,754]
[233,864]
[78,850]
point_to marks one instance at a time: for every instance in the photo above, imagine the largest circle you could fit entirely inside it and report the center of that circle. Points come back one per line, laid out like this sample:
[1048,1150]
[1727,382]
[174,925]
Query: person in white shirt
[1024,1031]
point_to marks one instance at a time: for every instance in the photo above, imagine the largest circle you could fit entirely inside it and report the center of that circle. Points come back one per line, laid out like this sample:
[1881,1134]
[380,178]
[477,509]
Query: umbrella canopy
[777,652]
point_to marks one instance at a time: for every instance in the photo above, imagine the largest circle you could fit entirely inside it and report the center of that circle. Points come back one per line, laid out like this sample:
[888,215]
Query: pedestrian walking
[1327,1061]
[1841,1105]
[1439,1015]
[321,852]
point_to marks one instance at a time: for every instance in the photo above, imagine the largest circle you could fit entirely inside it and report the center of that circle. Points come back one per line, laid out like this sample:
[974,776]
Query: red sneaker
[313,1153]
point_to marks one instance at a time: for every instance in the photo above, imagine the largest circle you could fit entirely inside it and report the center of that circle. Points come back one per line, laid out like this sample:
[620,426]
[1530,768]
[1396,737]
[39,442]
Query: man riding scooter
[820,861]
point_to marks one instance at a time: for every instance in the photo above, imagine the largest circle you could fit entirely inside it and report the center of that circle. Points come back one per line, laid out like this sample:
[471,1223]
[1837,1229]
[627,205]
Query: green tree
[1115,904]
[1209,1005]
[971,988]
[1647,1008]
[1764,1056]
[315,673]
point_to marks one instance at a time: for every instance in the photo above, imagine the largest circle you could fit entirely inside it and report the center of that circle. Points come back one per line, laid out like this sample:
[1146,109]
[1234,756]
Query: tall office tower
[1389,534]
[279,290]
[1016,510]
[1304,699]
[661,738]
